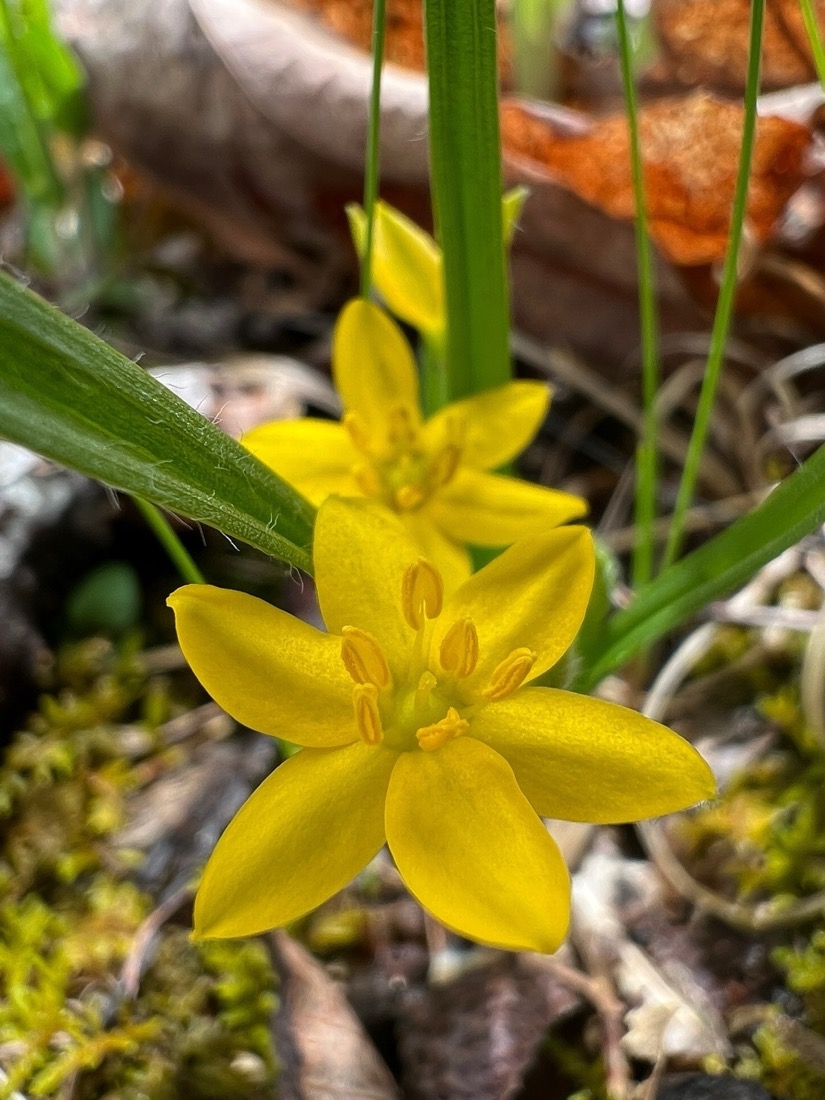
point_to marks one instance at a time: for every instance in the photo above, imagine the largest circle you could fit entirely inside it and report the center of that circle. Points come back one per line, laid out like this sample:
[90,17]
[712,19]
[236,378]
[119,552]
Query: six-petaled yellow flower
[434,474]
[421,729]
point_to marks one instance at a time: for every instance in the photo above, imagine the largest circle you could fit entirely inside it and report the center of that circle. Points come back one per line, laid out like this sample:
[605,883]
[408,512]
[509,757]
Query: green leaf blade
[792,510]
[69,396]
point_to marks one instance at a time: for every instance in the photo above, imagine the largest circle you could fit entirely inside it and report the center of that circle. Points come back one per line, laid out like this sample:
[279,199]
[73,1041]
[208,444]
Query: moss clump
[776,1064]
[765,839]
[200,1026]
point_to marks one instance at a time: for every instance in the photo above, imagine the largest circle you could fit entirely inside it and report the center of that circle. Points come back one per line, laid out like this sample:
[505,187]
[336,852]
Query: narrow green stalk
[434,395]
[372,160]
[647,461]
[170,542]
[536,60]
[465,173]
[815,39]
[727,293]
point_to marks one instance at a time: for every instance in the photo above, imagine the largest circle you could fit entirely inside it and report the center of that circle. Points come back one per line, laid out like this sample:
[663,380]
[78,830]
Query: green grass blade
[372,158]
[647,462]
[69,396]
[727,294]
[815,39]
[794,509]
[465,166]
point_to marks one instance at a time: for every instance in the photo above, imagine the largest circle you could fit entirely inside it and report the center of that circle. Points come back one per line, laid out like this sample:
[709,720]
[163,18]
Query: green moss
[200,1025]
[765,841]
[778,1066]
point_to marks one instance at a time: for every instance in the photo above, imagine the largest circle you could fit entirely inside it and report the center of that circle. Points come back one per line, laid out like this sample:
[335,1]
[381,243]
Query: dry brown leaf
[352,21]
[690,147]
[323,1050]
[404,44]
[474,1038]
[708,43]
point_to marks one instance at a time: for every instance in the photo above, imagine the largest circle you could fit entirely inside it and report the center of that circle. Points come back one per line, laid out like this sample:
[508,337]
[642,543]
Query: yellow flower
[420,728]
[434,474]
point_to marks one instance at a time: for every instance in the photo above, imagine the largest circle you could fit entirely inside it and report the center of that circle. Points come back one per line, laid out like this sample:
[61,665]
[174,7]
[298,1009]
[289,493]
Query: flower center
[399,470]
[427,702]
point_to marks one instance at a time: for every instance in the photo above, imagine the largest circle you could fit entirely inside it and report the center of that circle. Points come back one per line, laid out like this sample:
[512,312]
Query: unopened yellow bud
[363,658]
[434,736]
[459,650]
[367,715]
[422,593]
[510,674]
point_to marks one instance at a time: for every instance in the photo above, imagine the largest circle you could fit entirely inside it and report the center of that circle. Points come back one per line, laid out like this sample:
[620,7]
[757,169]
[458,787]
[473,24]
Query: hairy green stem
[170,542]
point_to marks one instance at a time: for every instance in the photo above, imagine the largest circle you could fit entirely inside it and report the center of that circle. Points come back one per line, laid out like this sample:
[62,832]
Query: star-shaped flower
[422,730]
[434,474]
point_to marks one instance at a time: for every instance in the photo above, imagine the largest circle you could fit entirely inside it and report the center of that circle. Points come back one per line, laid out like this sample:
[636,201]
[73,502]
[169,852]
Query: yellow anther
[434,736]
[363,658]
[409,497]
[510,674]
[422,593]
[400,430]
[368,480]
[459,650]
[424,689]
[357,431]
[444,465]
[367,715]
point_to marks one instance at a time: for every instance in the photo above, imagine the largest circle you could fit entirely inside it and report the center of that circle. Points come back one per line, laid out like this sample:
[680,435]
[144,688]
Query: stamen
[368,480]
[444,465]
[367,715]
[459,650]
[510,674]
[409,497]
[424,689]
[400,430]
[363,658]
[434,736]
[357,431]
[422,593]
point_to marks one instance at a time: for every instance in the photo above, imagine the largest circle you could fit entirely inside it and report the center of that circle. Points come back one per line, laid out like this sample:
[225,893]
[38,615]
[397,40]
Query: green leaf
[794,509]
[69,396]
[465,170]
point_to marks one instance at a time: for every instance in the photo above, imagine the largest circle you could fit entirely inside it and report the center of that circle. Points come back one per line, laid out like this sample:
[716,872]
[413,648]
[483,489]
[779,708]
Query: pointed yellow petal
[361,553]
[315,456]
[534,595]
[449,556]
[492,510]
[300,837]
[473,851]
[493,426]
[406,266]
[583,759]
[267,669]
[374,369]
